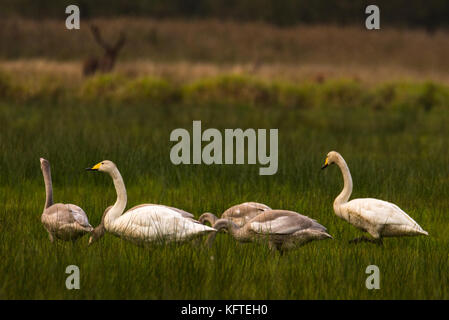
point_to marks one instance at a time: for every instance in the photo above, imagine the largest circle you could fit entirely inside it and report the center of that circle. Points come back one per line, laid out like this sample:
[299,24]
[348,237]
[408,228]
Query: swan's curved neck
[208,217]
[120,205]
[99,231]
[344,195]
[223,224]
[228,225]
[48,187]
[101,225]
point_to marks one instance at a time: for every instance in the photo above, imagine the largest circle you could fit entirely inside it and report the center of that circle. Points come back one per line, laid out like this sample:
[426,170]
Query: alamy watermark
[373,280]
[234,145]
[372,22]
[73,280]
[73,20]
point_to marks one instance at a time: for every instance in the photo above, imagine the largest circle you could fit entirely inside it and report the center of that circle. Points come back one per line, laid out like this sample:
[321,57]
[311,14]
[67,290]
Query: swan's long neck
[208,217]
[120,205]
[100,227]
[48,187]
[344,195]
[228,225]
[223,224]
[99,231]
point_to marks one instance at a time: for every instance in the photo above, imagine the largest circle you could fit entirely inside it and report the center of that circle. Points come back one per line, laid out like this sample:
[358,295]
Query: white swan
[62,221]
[147,222]
[239,214]
[281,228]
[99,230]
[378,218]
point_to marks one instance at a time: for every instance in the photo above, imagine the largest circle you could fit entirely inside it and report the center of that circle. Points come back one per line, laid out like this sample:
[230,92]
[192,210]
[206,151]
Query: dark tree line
[429,14]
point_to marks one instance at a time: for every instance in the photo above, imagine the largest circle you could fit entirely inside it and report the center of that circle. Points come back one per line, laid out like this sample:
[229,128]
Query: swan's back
[244,212]
[185,214]
[66,221]
[283,222]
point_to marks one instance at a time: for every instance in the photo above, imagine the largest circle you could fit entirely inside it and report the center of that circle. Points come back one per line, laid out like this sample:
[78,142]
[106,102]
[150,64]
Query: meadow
[393,136]
[379,98]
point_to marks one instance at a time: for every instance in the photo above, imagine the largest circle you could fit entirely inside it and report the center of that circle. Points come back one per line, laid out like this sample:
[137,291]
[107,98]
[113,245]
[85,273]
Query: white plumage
[377,217]
[156,222]
[147,222]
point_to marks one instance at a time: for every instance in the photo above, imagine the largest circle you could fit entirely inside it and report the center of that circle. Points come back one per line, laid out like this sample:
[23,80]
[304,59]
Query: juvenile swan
[378,218]
[147,222]
[62,221]
[99,230]
[239,214]
[281,228]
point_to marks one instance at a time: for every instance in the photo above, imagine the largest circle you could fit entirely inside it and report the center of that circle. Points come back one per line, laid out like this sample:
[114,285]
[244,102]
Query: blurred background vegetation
[258,52]
[429,14]
[183,39]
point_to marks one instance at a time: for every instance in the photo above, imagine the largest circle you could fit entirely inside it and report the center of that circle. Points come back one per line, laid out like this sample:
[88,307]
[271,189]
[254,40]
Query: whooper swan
[146,222]
[281,228]
[239,214]
[62,221]
[100,230]
[378,218]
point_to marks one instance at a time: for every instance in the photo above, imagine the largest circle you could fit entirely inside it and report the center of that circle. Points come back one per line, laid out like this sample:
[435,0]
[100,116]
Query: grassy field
[379,98]
[395,146]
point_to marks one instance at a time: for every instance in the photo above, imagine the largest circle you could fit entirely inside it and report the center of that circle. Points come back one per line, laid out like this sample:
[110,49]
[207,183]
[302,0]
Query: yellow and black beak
[95,167]
[326,164]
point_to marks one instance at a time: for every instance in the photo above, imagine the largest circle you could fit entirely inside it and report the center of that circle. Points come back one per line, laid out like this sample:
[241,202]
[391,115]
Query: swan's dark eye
[102,163]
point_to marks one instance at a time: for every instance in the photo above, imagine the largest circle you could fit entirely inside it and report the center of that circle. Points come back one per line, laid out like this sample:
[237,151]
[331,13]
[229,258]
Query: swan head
[104,166]
[96,234]
[45,164]
[331,158]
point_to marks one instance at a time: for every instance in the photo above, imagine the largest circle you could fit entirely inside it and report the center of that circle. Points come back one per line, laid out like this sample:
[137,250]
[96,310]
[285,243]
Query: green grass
[396,152]
[224,89]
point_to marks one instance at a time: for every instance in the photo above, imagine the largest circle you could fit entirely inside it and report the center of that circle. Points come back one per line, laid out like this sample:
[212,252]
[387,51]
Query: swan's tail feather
[417,230]
[328,235]
[420,230]
[423,232]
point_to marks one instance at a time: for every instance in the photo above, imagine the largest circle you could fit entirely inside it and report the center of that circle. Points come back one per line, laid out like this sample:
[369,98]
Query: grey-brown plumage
[99,230]
[62,221]
[281,228]
[239,214]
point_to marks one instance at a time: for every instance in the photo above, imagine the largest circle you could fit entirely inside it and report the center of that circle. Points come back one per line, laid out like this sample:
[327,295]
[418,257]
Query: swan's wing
[157,221]
[379,212]
[56,215]
[183,213]
[60,214]
[245,209]
[281,222]
[152,215]
[79,215]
